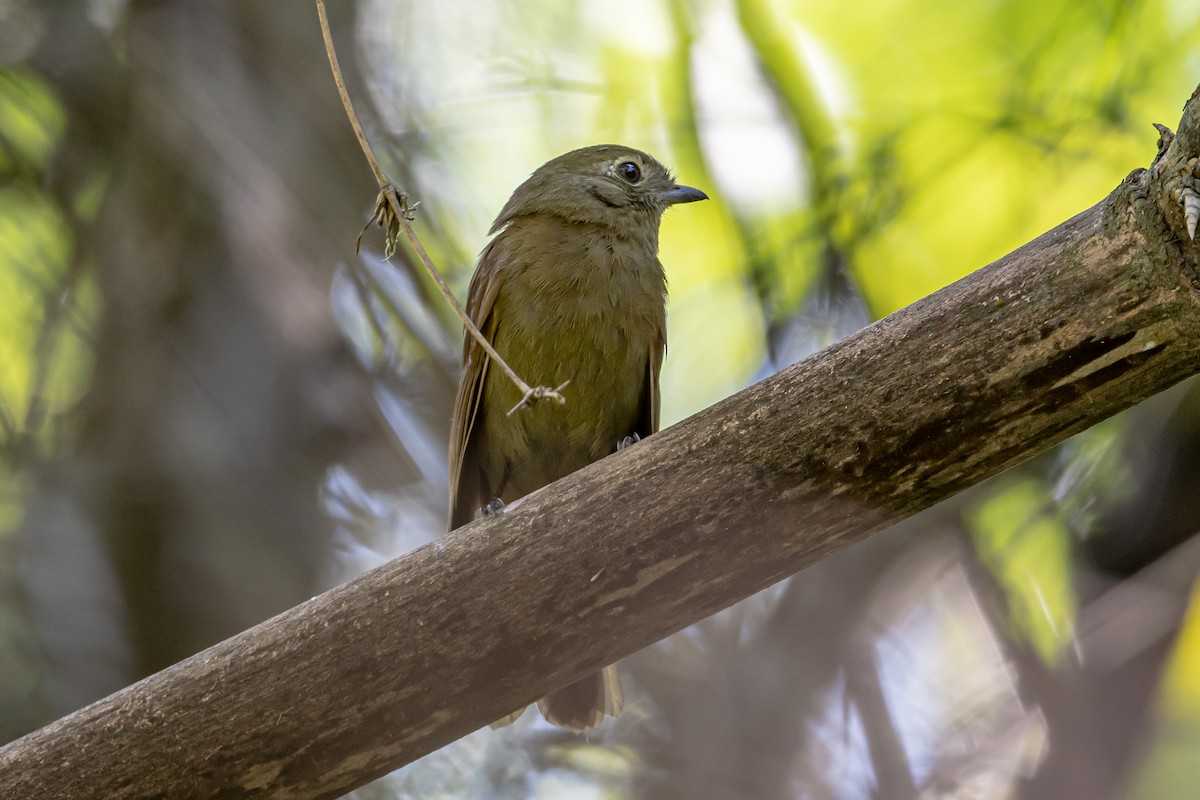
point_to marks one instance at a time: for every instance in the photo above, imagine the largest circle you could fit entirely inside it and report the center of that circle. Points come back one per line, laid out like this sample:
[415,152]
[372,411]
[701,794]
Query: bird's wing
[485,285]
[648,424]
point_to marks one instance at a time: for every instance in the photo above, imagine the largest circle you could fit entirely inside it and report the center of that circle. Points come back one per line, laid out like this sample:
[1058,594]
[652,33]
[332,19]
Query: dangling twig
[394,212]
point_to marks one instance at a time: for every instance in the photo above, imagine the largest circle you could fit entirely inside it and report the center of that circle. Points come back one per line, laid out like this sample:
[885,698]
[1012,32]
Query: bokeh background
[212,408]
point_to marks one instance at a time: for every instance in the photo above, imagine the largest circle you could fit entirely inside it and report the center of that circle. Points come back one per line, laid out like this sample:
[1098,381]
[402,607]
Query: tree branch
[1087,320]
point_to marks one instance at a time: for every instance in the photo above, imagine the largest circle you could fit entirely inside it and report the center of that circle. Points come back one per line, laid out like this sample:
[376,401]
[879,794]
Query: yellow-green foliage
[917,139]
[1024,542]
[42,368]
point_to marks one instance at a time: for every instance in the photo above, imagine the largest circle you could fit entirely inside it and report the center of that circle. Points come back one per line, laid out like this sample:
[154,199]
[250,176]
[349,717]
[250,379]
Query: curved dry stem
[540,393]
[394,213]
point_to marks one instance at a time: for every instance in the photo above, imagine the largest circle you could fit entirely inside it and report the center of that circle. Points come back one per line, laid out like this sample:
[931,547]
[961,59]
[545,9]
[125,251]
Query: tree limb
[1086,320]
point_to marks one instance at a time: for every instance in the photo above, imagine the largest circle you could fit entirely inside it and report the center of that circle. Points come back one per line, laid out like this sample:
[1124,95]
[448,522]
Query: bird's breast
[589,318]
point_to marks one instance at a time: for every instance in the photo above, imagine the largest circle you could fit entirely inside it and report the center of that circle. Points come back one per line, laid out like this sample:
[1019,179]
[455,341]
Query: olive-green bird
[569,289]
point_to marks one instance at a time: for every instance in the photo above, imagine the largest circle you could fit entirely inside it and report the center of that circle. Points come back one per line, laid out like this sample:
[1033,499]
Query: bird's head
[605,184]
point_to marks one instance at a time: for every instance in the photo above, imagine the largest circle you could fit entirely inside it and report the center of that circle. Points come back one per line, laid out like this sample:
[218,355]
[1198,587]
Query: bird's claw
[632,438]
[493,508]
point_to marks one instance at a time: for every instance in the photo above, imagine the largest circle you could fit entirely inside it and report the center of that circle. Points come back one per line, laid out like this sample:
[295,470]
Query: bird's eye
[629,171]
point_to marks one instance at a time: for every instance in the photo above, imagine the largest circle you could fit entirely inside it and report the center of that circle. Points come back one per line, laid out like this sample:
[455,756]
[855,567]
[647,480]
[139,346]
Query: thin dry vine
[394,212]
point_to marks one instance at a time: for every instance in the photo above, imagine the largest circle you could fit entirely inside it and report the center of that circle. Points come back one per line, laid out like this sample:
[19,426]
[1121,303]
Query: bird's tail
[584,704]
[581,706]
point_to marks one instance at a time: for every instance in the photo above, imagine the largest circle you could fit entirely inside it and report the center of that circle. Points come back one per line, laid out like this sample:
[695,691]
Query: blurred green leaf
[1024,542]
[31,121]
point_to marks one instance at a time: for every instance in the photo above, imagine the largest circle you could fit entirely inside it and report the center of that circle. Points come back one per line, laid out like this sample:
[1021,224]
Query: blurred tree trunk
[222,389]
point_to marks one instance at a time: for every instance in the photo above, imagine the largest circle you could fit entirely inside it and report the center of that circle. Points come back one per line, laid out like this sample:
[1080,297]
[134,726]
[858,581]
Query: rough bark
[1087,320]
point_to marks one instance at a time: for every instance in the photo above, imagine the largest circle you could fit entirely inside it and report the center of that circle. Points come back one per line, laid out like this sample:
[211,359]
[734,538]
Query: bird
[569,290]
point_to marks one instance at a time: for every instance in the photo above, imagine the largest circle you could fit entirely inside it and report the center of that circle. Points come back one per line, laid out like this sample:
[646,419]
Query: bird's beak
[682,194]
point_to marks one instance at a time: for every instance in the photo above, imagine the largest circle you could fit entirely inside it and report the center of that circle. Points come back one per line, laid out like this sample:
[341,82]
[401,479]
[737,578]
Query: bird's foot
[493,509]
[632,438]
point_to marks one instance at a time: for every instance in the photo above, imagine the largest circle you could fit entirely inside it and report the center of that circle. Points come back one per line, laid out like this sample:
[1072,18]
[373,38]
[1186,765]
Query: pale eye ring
[629,172]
